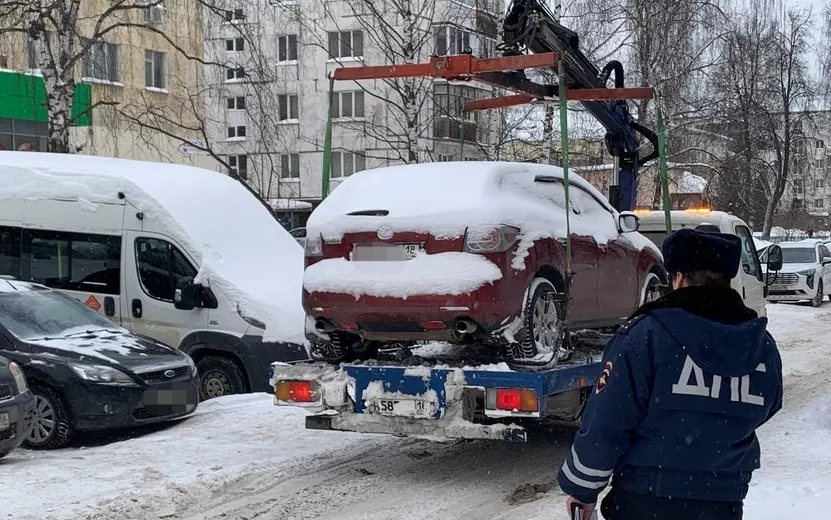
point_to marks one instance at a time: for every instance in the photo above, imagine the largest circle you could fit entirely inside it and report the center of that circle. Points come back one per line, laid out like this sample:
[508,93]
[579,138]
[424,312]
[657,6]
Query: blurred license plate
[4,421]
[402,407]
[778,287]
[382,252]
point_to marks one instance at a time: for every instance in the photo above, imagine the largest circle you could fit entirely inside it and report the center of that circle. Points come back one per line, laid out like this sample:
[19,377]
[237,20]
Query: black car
[16,405]
[86,372]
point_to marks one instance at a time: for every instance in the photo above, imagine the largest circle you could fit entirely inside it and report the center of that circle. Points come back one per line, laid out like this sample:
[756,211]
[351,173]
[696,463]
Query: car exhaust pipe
[322,325]
[465,326]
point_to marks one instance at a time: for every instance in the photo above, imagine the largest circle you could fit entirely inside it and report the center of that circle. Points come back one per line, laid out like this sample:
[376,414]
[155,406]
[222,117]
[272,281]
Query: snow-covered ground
[243,458]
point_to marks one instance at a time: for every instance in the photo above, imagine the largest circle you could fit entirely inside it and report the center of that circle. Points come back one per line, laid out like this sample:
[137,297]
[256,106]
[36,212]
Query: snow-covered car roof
[8,285]
[241,249]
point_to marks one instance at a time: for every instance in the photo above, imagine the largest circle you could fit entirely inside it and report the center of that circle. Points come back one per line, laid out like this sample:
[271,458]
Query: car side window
[71,261]
[160,266]
[750,260]
[591,209]
[10,251]
[823,252]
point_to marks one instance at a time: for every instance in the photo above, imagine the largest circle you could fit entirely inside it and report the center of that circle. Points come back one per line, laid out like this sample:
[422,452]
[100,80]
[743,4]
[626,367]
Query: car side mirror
[187,295]
[774,262]
[628,222]
[826,260]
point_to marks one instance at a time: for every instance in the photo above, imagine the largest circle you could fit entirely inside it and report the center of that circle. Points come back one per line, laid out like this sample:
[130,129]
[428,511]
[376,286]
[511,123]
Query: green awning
[23,96]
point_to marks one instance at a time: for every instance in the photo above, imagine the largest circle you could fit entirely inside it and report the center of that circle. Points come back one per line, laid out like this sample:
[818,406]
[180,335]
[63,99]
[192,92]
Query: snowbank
[241,249]
[442,273]
[450,199]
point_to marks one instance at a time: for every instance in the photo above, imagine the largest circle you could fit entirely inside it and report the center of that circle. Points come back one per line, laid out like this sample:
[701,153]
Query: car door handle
[136,306]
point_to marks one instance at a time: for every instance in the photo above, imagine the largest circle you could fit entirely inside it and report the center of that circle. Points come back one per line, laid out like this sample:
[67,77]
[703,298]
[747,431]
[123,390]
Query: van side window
[750,260]
[72,261]
[10,251]
[160,267]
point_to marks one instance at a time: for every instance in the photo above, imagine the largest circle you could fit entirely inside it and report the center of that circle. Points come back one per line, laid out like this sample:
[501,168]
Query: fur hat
[688,250]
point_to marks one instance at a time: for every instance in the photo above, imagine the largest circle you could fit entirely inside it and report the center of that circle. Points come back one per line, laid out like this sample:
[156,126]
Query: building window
[819,183]
[234,73]
[287,47]
[236,103]
[451,39]
[345,164]
[348,104]
[18,134]
[154,69]
[448,107]
[32,55]
[101,61]
[235,44]
[287,107]
[444,157]
[154,12]
[236,132]
[234,15]
[290,165]
[238,165]
[798,186]
[819,204]
[346,44]
[820,143]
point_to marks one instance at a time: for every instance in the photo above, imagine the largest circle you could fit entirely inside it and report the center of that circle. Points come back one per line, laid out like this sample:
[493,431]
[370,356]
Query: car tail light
[295,391]
[512,399]
[494,240]
[314,246]
[433,325]
[348,325]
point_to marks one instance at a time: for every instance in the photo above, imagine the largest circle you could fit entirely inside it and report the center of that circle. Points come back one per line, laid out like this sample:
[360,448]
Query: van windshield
[799,255]
[657,237]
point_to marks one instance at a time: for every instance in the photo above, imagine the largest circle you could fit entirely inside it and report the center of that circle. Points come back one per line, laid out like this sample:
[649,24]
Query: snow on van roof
[241,249]
[448,199]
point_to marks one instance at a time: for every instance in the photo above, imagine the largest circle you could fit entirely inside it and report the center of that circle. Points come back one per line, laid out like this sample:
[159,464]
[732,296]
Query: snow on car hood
[242,251]
[112,346]
[450,199]
[795,268]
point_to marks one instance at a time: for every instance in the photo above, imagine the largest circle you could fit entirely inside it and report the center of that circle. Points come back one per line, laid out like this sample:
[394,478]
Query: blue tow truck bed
[434,402]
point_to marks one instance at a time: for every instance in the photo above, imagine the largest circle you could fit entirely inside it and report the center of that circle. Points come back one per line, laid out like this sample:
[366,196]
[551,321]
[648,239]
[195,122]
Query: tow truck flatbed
[436,402]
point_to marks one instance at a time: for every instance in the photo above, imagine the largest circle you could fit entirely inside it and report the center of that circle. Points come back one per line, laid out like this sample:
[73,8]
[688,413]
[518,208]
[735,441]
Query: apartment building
[267,106]
[138,86]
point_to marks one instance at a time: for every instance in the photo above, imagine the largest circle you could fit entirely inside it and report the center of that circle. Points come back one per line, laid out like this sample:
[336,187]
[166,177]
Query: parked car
[805,274]
[465,252]
[299,234]
[122,236]
[16,406]
[86,372]
[750,280]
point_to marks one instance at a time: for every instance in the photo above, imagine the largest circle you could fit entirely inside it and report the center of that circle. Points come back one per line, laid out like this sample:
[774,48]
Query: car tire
[4,453]
[51,426]
[537,317]
[817,299]
[651,286]
[220,376]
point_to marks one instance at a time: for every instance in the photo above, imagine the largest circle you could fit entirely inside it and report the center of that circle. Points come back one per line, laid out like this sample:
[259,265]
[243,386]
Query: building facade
[138,84]
[267,99]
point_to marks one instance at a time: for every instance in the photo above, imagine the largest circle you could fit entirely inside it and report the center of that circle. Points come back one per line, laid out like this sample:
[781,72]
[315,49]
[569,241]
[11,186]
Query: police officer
[684,385]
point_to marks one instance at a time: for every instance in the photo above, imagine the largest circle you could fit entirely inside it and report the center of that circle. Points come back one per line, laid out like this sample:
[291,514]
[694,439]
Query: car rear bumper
[20,409]
[100,407]
[423,317]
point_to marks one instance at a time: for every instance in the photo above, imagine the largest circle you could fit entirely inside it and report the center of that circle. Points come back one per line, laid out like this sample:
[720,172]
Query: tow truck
[405,392]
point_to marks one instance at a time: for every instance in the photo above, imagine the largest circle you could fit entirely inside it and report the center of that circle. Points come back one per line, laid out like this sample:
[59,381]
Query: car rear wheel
[219,376]
[651,290]
[541,336]
[817,300]
[51,427]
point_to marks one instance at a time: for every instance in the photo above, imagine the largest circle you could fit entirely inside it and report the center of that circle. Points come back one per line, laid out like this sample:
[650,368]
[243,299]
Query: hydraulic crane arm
[531,27]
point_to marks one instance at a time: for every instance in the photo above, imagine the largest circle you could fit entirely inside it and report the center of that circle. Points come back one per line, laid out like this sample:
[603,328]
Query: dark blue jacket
[684,386]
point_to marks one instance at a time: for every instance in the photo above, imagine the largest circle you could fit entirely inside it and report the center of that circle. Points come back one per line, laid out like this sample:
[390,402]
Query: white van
[750,282]
[184,255]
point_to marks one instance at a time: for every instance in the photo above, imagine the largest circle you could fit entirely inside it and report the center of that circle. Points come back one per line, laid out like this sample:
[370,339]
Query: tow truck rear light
[699,211]
[511,399]
[295,391]
[494,240]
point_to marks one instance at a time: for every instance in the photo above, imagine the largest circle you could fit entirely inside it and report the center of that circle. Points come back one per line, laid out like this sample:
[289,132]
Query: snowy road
[242,458]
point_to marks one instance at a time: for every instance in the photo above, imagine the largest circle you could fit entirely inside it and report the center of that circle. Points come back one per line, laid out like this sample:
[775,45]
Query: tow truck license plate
[4,421]
[402,407]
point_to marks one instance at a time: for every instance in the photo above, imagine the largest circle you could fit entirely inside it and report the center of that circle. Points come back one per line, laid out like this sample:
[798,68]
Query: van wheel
[219,376]
[817,300]
[51,427]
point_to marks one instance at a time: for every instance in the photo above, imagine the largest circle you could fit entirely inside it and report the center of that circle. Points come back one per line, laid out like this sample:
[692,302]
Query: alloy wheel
[546,323]
[43,421]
